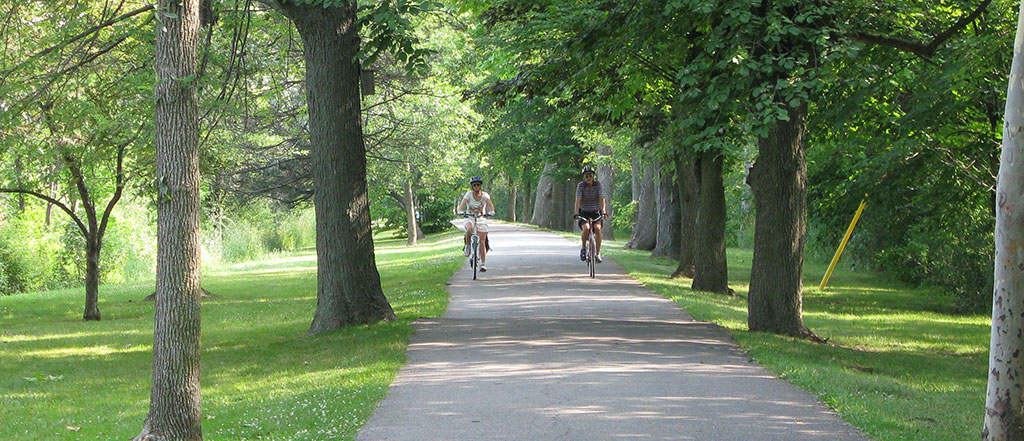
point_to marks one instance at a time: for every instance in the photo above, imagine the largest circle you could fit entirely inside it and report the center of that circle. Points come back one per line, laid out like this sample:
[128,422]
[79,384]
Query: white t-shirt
[474,204]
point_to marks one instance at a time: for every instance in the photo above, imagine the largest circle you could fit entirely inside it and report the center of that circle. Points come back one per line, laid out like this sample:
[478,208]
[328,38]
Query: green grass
[929,365]
[261,379]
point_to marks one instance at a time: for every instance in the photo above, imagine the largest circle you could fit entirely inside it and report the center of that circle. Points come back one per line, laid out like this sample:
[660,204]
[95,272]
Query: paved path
[534,350]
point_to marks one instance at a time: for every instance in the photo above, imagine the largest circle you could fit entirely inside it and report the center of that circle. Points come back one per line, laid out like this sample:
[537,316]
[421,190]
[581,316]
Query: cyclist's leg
[597,236]
[469,233]
[483,246]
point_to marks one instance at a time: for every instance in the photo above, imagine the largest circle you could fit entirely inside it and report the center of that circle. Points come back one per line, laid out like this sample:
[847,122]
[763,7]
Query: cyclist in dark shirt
[590,203]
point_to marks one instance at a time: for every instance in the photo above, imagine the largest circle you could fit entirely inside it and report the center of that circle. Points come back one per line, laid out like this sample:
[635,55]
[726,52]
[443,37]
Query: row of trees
[683,92]
[900,100]
[230,105]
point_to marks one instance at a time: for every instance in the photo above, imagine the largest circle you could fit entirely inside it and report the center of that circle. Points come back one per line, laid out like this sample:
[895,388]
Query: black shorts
[598,219]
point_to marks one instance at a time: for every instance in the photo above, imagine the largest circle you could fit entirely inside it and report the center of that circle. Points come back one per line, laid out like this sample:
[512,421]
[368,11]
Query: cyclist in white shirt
[477,201]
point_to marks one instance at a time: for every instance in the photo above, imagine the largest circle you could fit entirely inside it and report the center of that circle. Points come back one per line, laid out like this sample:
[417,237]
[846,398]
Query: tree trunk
[686,183]
[667,242]
[1004,400]
[348,284]
[645,229]
[548,200]
[174,407]
[711,273]
[527,201]
[93,245]
[779,183]
[411,226]
[606,174]
[513,193]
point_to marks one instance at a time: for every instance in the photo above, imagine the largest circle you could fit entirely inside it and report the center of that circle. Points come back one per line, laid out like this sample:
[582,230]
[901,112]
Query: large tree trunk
[92,277]
[174,407]
[606,174]
[711,273]
[779,183]
[686,184]
[348,284]
[549,200]
[1004,399]
[645,229]
[667,241]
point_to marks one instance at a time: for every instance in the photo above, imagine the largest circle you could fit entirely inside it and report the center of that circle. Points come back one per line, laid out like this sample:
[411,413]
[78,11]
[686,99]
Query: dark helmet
[588,169]
[476,179]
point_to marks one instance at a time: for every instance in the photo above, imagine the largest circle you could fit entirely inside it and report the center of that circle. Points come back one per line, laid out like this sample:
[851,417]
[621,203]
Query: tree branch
[81,35]
[59,204]
[918,48]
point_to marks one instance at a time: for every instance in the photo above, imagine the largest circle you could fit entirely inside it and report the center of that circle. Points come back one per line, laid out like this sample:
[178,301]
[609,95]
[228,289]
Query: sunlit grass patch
[899,364]
[261,377]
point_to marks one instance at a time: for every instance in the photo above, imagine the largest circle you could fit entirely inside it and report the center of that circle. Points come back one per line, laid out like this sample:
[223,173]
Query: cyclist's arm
[462,206]
[576,210]
[604,206]
[490,204]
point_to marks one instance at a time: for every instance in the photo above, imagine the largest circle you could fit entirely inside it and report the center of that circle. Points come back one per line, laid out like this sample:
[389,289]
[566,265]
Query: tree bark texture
[527,202]
[174,407]
[779,183]
[1004,397]
[93,245]
[711,273]
[606,175]
[689,196]
[553,206]
[645,229]
[667,242]
[543,205]
[348,284]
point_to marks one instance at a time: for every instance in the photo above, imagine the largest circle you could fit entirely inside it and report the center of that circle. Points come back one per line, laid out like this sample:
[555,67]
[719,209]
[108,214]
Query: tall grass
[261,379]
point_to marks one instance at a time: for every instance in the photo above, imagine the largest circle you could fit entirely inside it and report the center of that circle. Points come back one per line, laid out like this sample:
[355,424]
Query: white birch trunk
[1004,413]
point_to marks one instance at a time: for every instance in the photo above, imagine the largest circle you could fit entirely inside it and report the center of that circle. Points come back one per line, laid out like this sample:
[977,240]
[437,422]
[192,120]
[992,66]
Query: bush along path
[536,349]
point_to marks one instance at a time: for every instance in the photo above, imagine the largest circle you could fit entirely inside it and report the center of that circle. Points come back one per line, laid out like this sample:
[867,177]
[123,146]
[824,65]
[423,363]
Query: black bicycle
[591,242]
[474,242]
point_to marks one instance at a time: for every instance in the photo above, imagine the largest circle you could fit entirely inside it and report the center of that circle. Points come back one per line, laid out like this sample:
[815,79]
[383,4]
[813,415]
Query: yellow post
[842,244]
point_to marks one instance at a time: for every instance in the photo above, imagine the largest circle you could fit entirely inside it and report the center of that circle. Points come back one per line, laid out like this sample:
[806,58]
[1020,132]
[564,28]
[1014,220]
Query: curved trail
[537,350]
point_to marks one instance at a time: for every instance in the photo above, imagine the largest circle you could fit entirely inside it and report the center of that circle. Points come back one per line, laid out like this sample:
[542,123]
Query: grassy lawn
[928,365]
[261,379]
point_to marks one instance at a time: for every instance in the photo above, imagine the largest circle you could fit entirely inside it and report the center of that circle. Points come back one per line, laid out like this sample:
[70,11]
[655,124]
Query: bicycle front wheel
[592,252]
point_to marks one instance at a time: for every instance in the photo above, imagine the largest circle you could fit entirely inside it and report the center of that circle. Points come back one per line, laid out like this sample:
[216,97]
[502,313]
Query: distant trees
[71,115]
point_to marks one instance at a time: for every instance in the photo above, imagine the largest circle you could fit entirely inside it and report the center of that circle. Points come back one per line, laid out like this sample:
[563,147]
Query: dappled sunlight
[18,338]
[87,351]
[432,246]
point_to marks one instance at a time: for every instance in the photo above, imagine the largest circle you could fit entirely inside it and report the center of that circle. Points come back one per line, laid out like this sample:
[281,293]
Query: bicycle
[591,243]
[474,242]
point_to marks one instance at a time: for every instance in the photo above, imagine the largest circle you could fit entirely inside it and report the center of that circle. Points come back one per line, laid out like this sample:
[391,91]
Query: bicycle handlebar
[465,214]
